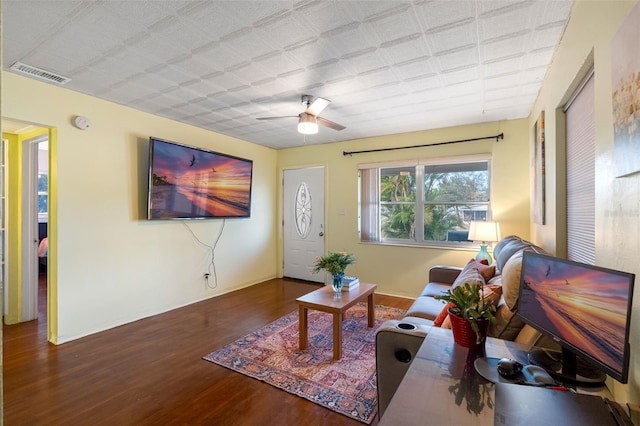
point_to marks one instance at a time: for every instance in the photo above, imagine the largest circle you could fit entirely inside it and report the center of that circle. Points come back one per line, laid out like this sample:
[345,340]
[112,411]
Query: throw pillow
[491,294]
[487,271]
[470,274]
[444,314]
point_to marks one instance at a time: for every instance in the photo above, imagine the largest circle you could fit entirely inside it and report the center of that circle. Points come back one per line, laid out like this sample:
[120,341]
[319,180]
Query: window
[43,187]
[43,178]
[426,202]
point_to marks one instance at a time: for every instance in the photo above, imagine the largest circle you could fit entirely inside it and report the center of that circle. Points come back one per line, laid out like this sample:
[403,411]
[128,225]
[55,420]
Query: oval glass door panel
[303,210]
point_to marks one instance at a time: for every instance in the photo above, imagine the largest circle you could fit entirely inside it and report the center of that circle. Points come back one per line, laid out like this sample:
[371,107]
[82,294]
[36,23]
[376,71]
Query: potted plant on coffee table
[470,314]
[334,263]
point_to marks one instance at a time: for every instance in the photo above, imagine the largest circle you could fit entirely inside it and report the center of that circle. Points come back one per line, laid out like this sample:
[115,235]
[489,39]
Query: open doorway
[29,285]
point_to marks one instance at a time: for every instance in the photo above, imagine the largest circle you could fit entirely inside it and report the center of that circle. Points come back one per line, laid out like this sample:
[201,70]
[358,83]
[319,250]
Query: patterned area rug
[347,386]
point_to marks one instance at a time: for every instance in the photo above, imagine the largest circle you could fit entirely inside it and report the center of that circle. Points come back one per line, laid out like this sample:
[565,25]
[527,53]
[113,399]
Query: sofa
[398,341]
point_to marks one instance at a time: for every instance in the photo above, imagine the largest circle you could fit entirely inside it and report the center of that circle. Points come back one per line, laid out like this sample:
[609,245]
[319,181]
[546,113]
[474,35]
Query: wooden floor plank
[151,372]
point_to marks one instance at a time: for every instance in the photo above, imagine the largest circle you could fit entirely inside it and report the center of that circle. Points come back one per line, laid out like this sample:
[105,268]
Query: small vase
[336,282]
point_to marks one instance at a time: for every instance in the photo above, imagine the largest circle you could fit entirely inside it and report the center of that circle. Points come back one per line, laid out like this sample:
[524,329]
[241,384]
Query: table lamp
[484,232]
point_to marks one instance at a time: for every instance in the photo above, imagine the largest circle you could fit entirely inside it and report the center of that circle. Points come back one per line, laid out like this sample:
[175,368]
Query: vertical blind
[369,208]
[581,206]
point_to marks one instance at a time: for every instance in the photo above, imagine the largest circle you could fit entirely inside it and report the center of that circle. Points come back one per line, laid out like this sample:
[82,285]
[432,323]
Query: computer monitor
[586,309]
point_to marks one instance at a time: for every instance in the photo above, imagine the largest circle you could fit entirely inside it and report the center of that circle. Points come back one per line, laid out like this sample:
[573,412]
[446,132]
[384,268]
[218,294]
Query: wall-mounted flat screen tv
[186,182]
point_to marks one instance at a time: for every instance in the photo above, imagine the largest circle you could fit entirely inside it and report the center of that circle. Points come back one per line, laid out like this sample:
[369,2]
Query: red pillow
[442,315]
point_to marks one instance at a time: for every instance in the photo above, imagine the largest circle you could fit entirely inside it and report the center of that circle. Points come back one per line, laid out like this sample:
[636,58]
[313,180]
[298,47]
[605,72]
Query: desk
[442,387]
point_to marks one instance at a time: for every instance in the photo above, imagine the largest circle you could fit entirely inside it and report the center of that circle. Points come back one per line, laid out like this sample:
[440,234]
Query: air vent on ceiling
[39,73]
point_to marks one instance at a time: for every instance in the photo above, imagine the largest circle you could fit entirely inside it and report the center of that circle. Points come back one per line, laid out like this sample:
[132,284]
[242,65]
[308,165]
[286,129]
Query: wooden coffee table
[324,300]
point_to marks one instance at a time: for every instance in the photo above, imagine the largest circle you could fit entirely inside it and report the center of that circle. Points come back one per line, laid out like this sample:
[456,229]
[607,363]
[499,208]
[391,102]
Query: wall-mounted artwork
[625,76]
[539,192]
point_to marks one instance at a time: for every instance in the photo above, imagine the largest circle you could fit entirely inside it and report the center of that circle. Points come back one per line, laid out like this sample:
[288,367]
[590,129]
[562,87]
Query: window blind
[369,208]
[581,206]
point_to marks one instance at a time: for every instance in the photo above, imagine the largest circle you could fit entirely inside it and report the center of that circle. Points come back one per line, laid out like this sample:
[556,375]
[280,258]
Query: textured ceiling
[387,66]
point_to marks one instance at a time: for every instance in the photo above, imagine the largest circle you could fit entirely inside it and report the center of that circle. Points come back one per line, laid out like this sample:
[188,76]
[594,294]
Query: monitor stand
[566,367]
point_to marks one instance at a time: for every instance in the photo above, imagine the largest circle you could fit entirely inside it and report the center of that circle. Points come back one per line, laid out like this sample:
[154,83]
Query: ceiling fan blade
[277,118]
[330,124]
[317,106]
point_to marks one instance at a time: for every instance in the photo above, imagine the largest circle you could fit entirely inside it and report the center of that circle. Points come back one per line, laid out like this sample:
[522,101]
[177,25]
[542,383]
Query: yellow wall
[586,41]
[403,270]
[113,265]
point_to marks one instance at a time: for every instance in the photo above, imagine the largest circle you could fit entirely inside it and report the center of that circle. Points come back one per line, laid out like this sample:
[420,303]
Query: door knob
[321,234]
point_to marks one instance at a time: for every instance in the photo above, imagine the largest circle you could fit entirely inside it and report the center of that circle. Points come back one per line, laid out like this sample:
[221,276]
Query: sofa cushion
[507,246]
[511,280]
[435,289]
[443,274]
[507,325]
[425,307]
[418,321]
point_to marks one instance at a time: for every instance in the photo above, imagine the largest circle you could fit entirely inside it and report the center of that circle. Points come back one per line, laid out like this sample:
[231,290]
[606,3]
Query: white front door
[303,222]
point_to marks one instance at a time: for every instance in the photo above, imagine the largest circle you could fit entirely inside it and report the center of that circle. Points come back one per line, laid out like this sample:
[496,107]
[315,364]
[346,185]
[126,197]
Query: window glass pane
[475,213]
[456,186]
[398,184]
[43,182]
[42,203]
[398,221]
[444,222]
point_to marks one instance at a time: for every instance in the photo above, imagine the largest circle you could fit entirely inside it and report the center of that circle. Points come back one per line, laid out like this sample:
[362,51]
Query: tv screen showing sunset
[190,183]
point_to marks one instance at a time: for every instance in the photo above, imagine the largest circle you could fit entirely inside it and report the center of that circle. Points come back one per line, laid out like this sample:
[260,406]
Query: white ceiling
[387,66]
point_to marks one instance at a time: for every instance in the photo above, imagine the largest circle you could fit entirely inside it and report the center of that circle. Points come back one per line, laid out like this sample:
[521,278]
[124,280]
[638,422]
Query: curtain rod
[496,137]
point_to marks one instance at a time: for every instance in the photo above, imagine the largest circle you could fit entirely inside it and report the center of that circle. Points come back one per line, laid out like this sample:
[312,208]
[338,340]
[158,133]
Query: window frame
[419,202]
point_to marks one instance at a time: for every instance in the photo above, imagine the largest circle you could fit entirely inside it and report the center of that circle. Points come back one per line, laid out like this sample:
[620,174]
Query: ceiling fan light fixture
[307,124]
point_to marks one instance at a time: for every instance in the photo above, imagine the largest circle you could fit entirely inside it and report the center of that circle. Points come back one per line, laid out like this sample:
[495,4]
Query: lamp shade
[484,231]
[307,124]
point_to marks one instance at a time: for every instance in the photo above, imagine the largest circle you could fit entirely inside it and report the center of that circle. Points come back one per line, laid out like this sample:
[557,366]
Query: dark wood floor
[151,373]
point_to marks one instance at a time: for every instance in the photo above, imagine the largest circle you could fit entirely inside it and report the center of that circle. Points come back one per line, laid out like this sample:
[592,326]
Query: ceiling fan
[308,120]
